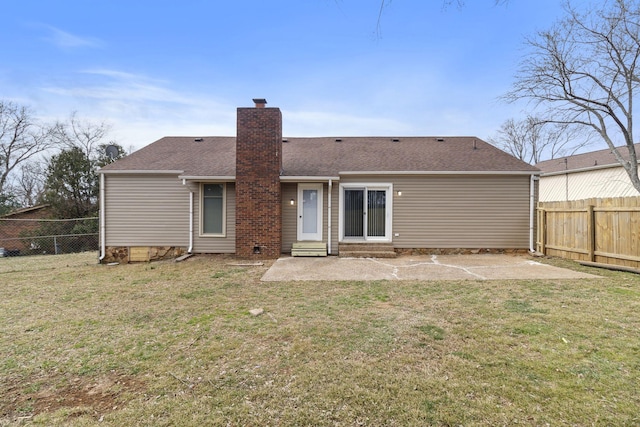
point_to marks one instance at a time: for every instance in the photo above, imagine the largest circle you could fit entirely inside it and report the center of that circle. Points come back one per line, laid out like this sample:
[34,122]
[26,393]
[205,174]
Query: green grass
[173,344]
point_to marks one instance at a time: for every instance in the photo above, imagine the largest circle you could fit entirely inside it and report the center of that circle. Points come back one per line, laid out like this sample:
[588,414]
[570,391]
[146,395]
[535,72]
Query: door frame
[388,188]
[315,237]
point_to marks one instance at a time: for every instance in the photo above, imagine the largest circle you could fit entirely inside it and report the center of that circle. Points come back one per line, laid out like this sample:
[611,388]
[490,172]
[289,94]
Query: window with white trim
[212,209]
[366,212]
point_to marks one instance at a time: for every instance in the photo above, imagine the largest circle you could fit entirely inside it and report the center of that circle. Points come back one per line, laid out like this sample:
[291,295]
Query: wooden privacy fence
[604,231]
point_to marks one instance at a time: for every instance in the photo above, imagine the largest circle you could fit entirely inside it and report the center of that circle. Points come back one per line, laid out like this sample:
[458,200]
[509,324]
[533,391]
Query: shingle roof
[325,156]
[593,159]
[328,156]
[26,210]
[197,156]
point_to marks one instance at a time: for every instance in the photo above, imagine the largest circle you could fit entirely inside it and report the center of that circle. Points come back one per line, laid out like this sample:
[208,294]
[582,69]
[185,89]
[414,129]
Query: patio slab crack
[420,268]
[434,261]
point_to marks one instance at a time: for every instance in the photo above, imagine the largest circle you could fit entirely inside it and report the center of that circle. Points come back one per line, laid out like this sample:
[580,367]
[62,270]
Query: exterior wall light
[399,193]
[292,202]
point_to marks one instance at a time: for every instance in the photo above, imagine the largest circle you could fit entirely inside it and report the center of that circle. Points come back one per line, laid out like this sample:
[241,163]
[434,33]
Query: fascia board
[440,173]
[140,172]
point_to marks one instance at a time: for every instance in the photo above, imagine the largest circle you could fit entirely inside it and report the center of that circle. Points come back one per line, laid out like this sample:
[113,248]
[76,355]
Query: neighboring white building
[583,176]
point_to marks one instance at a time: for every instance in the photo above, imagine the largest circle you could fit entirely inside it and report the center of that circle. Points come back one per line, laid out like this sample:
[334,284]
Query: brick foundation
[459,251]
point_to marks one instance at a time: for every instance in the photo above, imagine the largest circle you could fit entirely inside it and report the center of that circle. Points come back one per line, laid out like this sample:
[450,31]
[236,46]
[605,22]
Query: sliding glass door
[376,213]
[354,213]
[366,213]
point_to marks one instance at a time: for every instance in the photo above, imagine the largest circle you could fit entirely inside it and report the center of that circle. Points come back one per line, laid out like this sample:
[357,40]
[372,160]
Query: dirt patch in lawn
[25,398]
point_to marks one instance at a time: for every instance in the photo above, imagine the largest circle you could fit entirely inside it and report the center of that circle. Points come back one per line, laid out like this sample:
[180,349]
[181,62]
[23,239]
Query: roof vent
[440,139]
[338,139]
[285,140]
[395,139]
[199,139]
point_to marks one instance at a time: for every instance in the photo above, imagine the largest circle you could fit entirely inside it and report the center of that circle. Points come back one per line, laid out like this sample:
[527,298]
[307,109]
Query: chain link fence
[47,236]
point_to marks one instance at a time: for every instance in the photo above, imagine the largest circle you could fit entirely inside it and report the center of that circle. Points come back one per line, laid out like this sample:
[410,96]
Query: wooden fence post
[542,230]
[591,233]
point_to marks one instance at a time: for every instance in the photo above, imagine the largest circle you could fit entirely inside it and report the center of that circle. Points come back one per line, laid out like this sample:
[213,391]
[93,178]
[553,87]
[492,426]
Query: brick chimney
[258,196]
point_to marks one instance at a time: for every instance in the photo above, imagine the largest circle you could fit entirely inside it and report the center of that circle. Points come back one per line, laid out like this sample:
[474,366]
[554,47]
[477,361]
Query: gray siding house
[258,195]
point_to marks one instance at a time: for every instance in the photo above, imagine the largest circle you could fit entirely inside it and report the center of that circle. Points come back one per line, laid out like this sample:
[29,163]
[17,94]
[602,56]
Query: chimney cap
[260,102]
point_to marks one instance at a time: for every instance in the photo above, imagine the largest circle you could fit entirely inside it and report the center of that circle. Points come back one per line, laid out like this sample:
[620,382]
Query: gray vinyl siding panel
[146,210]
[290,216]
[458,211]
[434,211]
[211,244]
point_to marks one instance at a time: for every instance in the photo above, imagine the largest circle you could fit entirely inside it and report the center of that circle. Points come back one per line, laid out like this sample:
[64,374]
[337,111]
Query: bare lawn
[175,344]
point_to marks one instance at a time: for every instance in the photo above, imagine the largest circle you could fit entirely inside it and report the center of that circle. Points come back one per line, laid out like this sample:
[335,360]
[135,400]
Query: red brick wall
[258,196]
[11,229]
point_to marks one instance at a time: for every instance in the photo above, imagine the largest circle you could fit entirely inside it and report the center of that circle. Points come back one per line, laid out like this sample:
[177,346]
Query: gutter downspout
[329,218]
[190,249]
[532,203]
[103,227]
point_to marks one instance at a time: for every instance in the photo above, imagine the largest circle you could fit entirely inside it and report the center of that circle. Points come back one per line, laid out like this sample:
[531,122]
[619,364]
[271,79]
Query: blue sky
[157,68]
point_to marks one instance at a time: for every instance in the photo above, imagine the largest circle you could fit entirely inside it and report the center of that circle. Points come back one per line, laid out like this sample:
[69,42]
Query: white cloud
[122,88]
[66,40]
[142,109]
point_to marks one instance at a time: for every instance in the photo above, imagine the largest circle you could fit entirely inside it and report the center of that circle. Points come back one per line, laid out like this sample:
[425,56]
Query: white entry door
[310,212]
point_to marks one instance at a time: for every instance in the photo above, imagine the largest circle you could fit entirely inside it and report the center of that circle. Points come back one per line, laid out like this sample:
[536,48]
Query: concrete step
[366,250]
[367,254]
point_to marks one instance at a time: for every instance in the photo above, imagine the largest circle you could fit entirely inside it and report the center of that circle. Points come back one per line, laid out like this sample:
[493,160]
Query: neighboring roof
[585,161]
[327,156]
[26,210]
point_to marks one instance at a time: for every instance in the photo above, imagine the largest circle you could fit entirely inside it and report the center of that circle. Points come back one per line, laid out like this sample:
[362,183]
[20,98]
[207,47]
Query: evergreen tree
[72,186]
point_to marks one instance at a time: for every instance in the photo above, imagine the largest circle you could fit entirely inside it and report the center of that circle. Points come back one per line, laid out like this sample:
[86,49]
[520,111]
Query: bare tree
[533,140]
[445,4]
[28,185]
[71,185]
[584,71]
[461,3]
[21,138]
[82,134]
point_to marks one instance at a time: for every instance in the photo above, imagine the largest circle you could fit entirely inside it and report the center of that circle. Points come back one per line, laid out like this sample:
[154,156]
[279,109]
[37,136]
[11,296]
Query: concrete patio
[421,267]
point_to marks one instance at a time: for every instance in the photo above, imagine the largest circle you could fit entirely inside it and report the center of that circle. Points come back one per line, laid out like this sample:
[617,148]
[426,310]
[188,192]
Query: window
[212,209]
